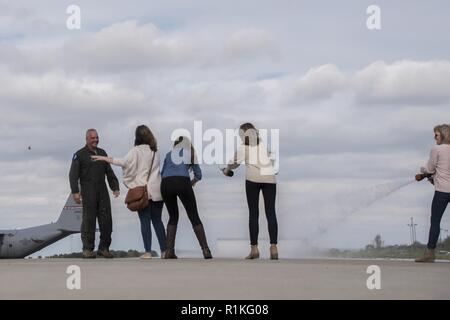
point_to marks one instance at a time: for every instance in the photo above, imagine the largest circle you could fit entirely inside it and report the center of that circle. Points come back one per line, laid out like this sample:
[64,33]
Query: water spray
[348,204]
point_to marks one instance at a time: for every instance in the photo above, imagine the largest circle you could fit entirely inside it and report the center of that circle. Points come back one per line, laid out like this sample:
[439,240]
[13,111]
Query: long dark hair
[186,141]
[249,133]
[144,135]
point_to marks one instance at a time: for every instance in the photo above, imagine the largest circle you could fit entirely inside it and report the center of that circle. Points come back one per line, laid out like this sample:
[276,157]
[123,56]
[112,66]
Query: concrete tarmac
[222,279]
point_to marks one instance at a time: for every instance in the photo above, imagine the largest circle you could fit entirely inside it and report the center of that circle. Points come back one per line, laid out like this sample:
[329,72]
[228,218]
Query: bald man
[94,196]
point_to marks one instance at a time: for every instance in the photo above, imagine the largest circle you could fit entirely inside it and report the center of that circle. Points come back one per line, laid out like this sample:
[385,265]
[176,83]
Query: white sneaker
[146,255]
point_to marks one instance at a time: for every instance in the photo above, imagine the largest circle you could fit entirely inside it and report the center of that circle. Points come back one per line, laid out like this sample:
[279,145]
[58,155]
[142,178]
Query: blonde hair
[444,130]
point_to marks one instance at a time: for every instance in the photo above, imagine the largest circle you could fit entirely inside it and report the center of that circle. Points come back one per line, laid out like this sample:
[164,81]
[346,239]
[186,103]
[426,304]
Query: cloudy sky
[355,108]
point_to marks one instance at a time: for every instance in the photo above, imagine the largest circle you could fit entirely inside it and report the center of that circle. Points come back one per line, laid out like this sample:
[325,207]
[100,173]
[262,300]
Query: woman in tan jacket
[141,159]
[260,177]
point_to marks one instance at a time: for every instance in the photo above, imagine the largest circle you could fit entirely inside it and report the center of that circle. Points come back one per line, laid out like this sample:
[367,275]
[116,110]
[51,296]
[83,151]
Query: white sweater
[258,165]
[135,166]
[439,165]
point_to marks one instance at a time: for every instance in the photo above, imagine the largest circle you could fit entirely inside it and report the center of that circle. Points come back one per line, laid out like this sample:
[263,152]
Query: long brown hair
[186,142]
[144,135]
[249,133]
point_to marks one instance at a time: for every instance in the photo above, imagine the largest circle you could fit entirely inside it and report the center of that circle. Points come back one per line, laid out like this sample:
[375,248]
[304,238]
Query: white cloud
[318,83]
[129,46]
[411,83]
[54,95]
[404,82]
[32,59]
[20,21]
[250,43]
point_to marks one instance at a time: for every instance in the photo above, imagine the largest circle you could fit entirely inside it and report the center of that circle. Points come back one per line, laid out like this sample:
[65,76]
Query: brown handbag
[137,198]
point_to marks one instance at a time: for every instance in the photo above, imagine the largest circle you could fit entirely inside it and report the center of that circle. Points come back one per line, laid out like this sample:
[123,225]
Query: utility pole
[412,231]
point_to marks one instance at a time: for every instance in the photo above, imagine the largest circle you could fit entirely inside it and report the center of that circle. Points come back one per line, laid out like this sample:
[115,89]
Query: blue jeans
[440,201]
[152,214]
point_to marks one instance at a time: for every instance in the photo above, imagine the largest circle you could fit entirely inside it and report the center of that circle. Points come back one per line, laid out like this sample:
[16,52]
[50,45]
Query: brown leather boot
[273,252]
[254,253]
[201,237]
[171,233]
[428,256]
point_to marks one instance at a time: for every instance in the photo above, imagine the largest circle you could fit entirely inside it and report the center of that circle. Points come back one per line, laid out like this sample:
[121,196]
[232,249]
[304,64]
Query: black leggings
[173,187]
[440,201]
[269,191]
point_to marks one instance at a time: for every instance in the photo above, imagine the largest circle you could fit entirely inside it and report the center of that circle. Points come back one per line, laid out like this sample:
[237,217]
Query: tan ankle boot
[428,256]
[254,253]
[273,252]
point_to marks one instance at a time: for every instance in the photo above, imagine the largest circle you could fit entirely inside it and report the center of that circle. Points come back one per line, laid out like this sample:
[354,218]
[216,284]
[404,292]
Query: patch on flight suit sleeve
[74,157]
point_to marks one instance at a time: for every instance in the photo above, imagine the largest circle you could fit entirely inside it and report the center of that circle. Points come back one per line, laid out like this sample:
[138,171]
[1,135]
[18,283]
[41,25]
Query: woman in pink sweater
[439,166]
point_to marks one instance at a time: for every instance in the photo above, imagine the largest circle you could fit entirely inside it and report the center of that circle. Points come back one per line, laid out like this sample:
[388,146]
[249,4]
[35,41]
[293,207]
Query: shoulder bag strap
[151,166]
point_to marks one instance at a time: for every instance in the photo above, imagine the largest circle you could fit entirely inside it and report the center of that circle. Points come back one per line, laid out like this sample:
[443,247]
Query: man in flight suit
[94,195]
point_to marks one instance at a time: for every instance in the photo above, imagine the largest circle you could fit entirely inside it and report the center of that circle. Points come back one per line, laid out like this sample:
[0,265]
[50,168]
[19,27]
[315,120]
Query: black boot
[201,236]
[171,233]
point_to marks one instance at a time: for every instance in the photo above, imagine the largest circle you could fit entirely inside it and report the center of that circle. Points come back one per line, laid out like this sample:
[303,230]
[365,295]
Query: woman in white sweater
[439,166]
[260,177]
[136,165]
